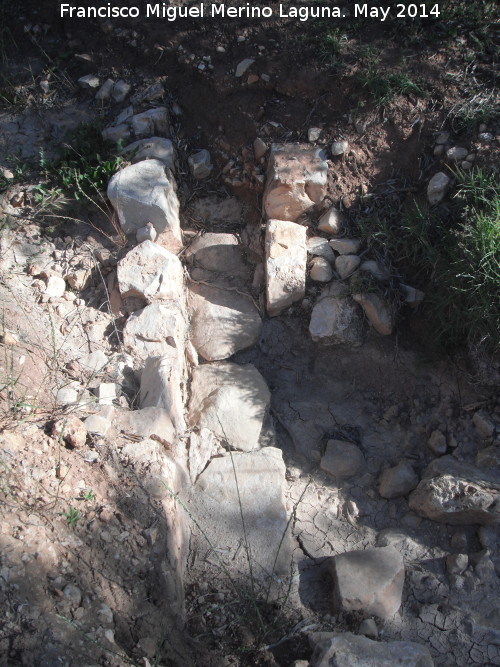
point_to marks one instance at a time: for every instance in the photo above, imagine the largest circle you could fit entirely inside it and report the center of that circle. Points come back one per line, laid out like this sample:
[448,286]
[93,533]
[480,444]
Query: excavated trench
[265,509]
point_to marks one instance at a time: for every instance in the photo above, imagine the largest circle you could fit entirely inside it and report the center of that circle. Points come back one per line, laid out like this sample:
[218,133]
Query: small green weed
[72,516]
[331,47]
[383,88]
[88,495]
[482,107]
[86,164]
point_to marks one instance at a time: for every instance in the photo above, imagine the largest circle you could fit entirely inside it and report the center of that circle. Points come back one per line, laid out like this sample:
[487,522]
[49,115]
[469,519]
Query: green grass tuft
[454,259]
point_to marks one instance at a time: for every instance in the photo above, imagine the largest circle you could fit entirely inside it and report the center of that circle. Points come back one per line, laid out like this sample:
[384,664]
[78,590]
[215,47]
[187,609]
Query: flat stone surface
[157,329]
[349,650]
[231,401]
[203,445]
[146,192]
[261,478]
[336,319]
[146,422]
[286,263]
[370,581]
[223,321]
[297,177]
[151,272]
[162,381]
[217,252]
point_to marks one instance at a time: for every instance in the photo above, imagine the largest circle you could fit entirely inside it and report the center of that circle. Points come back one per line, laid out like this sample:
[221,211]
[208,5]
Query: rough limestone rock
[320,270]
[336,319]
[222,321]
[55,286]
[147,422]
[457,153]
[200,164]
[370,581]
[162,477]
[457,493]
[146,233]
[397,481]
[342,459]
[319,247]
[331,222]
[349,650]
[116,133]
[203,445]
[346,265]
[70,430]
[313,134]
[152,273]
[104,92]
[377,311]
[231,401]
[437,443]
[436,189]
[154,148]
[154,122]
[261,477]
[260,148]
[339,147]
[243,66]
[484,424]
[101,422]
[296,180]
[120,91]
[345,246]
[162,387]
[217,252]
[89,82]
[145,192]
[155,330]
[286,263]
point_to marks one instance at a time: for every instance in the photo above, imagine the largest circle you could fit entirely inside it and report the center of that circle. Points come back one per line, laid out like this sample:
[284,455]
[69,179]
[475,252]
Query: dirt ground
[83,575]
